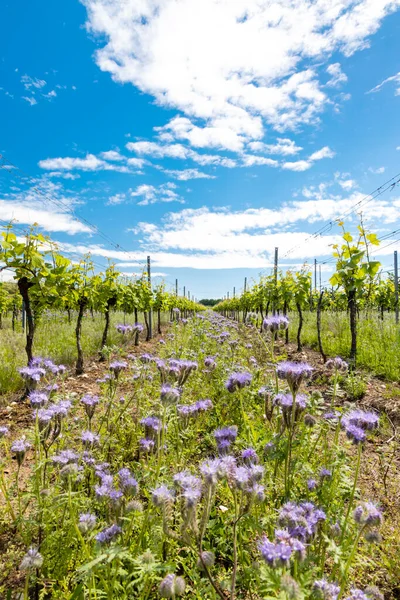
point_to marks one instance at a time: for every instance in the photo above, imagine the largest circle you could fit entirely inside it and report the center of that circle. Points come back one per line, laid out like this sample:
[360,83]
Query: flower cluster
[225,437]
[238,381]
[357,422]
[187,411]
[275,323]
[294,373]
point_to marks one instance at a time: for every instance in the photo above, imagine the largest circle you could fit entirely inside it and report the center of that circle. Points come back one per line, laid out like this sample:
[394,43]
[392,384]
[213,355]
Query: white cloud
[151,194]
[377,171]
[89,163]
[393,79]
[62,175]
[31,100]
[249,160]
[50,95]
[282,146]
[347,184]
[32,82]
[117,199]
[337,75]
[187,174]
[112,155]
[298,165]
[325,152]
[232,69]
[30,206]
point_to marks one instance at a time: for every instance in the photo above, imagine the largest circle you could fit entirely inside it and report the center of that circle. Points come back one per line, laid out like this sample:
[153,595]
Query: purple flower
[294,373]
[324,590]
[171,586]
[275,555]
[90,402]
[249,455]
[225,437]
[32,560]
[368,514]
[65,457]
[127,482]
[108,534]
[146,358]
[87,522]
[146,445]
[162,496]
[366,420]
[285,402]
[325,474]
[20,448]
[117,366]
[203,405]
[169,394]
[210,470]
[355,434]
[238,381]
[357,594]
[301,520]
[152,427]
[210,363]
[32,374]
[330,415]
[275,323]
[312,484]
[3,431]
[337,364]
[38,399]
[90,439]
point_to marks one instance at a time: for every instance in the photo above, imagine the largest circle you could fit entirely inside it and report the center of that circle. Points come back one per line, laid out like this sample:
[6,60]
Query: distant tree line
[210,301]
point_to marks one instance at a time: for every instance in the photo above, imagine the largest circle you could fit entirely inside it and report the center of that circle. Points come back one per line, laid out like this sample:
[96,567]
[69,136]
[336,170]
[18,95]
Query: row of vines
[357,284]
[47,280]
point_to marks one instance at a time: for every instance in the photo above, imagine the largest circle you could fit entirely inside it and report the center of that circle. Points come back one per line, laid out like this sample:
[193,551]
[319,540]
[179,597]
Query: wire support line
[387,186]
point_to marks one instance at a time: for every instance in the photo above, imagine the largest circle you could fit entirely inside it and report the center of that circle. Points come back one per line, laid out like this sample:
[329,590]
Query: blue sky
[203,133]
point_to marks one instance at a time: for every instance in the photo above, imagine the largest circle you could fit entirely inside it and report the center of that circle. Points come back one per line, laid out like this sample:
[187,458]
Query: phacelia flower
[337,364]
[368,514]
[38,399]
[89,403]
[20,448]
[275,323]
[87,522]
[127,482]
[238,381]
[32,560]
[294,373]
[3,431]
[169,394]
[171,586]
[90,439]
[324,590]
[108,534]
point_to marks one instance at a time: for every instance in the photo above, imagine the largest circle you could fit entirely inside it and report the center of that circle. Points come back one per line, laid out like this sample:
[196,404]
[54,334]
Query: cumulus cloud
[187,174]
[90,163]
[232,69]
[151,194]
[282,146]
[337,75]
[117,199]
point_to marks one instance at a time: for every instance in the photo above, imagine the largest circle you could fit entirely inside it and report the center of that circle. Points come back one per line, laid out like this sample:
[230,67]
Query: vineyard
[151,448]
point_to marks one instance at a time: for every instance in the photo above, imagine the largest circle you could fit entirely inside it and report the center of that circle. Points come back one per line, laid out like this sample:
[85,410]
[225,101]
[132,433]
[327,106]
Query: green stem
[352,492]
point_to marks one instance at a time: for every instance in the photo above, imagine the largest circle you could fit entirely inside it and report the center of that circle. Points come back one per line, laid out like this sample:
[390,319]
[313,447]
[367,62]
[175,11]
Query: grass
[378,341]
[158,538]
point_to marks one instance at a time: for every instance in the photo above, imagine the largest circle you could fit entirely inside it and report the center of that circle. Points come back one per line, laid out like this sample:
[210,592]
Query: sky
[203,133]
